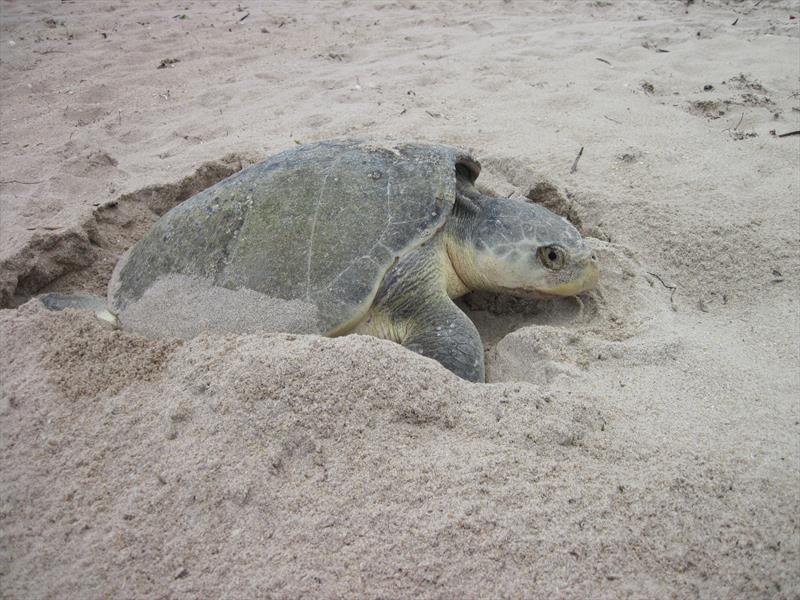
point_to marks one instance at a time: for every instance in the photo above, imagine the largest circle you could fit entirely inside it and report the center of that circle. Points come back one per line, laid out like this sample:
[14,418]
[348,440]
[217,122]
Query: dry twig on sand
[669,287]
[577,158]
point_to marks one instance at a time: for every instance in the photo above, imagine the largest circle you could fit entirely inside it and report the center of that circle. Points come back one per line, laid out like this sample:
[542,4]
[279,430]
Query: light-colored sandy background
[644,443]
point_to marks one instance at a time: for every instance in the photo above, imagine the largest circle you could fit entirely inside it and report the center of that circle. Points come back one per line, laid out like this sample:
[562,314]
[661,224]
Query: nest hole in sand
[82,258]
[497,315]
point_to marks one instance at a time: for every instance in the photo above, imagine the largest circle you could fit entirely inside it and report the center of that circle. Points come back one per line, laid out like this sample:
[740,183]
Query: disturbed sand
[642,442]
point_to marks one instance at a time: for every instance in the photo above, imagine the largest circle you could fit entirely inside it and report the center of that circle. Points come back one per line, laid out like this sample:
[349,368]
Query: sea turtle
[377,238]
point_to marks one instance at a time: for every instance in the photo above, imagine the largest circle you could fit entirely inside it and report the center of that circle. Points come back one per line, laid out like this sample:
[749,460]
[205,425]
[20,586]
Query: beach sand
[641,442]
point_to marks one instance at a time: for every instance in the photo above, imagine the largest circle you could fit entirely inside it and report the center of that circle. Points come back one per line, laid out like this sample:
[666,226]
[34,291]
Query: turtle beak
[586,277]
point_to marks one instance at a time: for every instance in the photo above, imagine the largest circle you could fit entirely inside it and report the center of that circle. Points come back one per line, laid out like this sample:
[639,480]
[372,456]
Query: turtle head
[518,248]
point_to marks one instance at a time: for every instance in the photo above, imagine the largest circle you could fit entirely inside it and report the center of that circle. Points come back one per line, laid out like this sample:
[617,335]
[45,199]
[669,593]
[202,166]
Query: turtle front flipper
[431,325]
[412,308]
[446,334]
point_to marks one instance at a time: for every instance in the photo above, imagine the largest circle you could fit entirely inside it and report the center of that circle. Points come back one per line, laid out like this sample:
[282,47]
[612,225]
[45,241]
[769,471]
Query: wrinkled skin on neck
[514,247]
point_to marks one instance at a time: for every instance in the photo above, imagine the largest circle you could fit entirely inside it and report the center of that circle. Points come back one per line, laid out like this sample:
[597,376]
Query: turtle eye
[552,257]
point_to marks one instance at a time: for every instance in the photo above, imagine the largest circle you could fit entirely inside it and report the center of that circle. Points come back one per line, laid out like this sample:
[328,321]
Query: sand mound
[298,465]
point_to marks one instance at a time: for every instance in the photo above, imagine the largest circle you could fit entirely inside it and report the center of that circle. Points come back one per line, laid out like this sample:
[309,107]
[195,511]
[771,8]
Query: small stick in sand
[577,158]
[669,287]
[789,133]
[603,60]
[35,182]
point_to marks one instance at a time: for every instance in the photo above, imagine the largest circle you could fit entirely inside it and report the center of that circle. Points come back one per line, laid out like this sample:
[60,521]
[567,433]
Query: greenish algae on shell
[321,223]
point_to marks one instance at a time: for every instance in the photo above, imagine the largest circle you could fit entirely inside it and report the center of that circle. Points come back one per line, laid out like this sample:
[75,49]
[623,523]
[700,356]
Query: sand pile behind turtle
[178,306]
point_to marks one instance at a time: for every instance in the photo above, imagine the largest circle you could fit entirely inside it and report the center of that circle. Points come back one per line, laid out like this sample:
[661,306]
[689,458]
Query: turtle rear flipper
[55,301]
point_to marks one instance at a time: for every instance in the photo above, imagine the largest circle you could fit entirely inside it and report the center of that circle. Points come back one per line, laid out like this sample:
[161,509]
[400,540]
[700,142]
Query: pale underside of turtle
[372,238]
